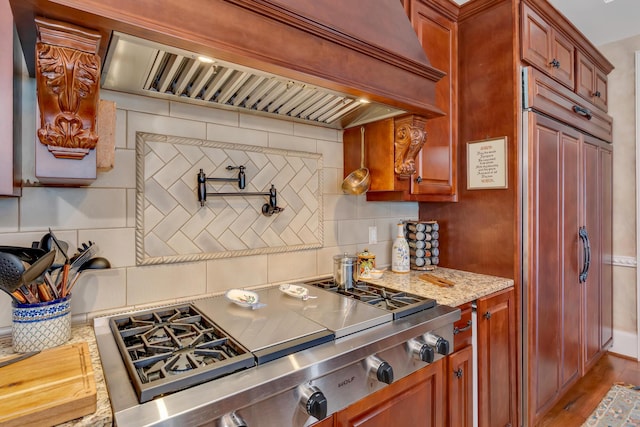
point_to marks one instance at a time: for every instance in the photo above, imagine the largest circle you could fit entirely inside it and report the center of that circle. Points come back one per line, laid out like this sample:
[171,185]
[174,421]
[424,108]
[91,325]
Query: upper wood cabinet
[591,82]
[555,47]
[435,25]
[544,47]
[434,175]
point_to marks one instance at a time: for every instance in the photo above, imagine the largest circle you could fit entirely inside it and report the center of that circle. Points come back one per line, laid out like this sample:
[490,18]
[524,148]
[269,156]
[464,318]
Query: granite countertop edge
[467,286]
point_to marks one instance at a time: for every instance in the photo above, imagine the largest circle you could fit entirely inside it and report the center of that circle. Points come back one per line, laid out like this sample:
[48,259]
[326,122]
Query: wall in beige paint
[622,107]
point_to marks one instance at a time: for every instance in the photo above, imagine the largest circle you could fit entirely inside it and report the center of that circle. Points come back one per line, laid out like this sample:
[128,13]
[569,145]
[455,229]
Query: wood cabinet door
[436,162]
[562,60]
[591,83]
[497,392]
[547,49]
[415,400]
[460,388]
[553,290]
[598,292]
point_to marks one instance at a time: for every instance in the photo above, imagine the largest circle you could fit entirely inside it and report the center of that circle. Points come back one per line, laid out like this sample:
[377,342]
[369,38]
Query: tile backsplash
[173,226]
[105,211]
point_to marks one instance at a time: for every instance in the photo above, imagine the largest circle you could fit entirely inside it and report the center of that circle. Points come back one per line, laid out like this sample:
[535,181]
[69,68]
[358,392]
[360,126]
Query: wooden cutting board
[51,387]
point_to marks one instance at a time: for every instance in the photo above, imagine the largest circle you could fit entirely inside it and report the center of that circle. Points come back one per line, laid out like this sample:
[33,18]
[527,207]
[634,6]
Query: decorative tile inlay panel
[171,226]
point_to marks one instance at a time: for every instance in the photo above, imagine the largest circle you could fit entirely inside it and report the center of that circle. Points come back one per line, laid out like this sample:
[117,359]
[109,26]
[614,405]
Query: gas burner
[176,344]
[400,303]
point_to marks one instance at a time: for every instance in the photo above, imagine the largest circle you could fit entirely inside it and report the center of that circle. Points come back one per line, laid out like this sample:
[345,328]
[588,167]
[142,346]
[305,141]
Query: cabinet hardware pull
[582,111]
[597,94]
[487,315]
[419,179]
[457,330]
[458,373]
[586,254]
[555,63]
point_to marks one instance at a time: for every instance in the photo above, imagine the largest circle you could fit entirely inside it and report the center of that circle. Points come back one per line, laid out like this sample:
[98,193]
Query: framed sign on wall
[487,164]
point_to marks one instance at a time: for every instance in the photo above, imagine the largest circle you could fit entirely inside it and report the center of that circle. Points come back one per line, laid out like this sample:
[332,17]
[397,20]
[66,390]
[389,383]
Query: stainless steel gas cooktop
[211,359]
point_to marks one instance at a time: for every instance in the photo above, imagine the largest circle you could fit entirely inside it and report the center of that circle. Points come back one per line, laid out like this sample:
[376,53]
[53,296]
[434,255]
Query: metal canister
[345,270]
[366,262]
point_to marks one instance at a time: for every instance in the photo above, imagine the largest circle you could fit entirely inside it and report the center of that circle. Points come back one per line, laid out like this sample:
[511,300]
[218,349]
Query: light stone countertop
[103,415]
[467,286]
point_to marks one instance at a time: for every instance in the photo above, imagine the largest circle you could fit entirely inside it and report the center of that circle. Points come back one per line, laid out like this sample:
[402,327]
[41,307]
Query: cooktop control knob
[440,344]
[421,350]
[313,401]
[381,369]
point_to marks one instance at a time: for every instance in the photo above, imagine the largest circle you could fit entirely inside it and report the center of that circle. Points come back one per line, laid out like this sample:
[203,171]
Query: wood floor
[574,408]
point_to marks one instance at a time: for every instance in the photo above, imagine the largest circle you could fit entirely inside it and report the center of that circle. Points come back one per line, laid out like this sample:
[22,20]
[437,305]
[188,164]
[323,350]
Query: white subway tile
[72,208]
[330,229]
[317,132]
[146,284]
[240,272]
[123,175]
[235,135]
[98,290]
[131,102]
[118,245]
[204,114]
[337,207]
[332,154]
[164,125]
[331,181]
[351,232]
[9,214]
[292,265]
[375,209]
[131,208]
[267,124]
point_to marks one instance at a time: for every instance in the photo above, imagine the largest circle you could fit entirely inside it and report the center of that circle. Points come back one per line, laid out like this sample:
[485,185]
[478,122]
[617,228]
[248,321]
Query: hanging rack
[268,209]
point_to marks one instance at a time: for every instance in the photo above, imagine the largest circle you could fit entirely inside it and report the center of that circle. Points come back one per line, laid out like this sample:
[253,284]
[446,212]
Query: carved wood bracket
[410,136]
[67,81]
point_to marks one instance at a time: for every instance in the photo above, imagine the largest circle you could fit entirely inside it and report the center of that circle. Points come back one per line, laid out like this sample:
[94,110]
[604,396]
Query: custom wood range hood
[299,51]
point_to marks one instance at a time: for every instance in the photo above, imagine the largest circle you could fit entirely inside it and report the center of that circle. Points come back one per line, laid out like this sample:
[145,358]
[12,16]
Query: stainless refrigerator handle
[586,254]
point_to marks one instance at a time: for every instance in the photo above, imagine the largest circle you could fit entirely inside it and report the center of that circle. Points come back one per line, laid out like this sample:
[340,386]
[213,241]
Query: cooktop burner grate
[400,303]
[169,349]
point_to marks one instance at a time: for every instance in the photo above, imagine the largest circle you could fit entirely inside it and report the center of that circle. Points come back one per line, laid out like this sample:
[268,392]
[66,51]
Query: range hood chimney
[310,60]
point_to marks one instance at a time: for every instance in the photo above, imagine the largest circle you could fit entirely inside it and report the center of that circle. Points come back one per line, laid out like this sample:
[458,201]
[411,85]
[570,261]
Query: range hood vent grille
[139,66]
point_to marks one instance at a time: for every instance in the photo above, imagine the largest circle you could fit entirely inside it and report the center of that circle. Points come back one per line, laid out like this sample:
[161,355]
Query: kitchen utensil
[11,270]
[97,263]
[28,255]
[38,268]
[438,281]
[48,242]
[357,182]
[70,270]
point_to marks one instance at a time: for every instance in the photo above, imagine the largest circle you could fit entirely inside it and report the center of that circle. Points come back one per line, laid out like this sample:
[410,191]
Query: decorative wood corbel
[410,136]
[67,82]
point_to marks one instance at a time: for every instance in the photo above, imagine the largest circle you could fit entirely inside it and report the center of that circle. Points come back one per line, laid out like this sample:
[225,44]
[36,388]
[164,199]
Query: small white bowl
[376,274]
